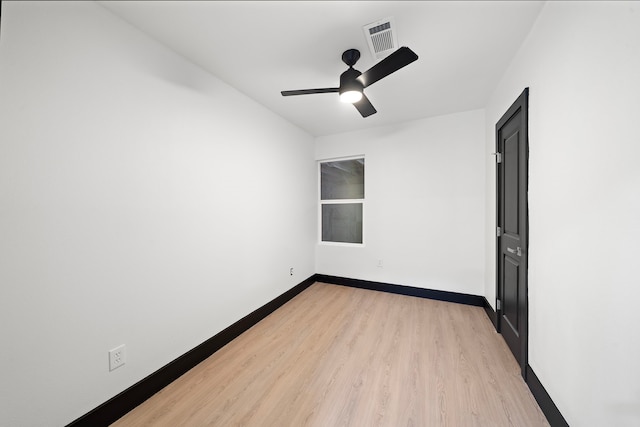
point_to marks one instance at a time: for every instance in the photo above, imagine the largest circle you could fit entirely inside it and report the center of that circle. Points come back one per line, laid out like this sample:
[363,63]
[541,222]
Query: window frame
[340,202]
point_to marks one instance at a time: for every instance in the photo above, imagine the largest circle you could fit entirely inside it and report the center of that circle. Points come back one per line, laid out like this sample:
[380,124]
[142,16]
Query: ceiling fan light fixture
[353,82]
[350,87]
[351,96]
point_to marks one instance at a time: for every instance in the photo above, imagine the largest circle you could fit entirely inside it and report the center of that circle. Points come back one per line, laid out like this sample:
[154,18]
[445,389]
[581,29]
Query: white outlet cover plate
[117,357]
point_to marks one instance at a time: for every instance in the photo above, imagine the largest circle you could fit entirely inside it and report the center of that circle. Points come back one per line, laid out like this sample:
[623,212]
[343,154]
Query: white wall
[581,62]
[142,202]
[424,204]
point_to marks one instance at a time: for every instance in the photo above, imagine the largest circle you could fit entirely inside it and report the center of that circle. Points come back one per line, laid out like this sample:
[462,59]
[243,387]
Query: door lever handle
[517,251]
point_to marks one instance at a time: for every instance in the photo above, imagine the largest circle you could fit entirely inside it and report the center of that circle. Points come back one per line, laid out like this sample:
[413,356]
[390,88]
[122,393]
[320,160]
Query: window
[341,200]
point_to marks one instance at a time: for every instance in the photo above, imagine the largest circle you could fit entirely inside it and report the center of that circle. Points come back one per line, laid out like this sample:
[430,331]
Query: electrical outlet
[380,263]
[117,357]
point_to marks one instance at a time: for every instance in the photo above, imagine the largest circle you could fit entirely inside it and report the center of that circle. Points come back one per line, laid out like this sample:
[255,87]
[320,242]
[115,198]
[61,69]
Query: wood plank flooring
[339,356]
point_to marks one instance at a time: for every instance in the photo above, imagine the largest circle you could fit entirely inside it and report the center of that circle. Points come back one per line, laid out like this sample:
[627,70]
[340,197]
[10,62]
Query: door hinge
[498,232]
[498,304]
[498,157]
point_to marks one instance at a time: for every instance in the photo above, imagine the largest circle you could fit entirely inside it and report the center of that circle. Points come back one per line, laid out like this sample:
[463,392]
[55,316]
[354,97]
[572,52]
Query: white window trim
[339,202]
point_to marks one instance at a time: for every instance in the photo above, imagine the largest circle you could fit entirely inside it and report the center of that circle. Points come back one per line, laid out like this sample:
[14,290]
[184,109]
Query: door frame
[521,103]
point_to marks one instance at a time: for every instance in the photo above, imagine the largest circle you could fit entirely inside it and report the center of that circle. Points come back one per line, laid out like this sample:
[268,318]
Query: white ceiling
[263,47]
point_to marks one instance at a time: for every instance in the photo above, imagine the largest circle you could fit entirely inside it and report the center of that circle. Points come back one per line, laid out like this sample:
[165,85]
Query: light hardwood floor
[339,356]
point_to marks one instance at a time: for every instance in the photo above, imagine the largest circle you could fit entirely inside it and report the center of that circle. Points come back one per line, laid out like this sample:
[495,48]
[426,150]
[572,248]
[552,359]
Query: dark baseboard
[491,313]
[404,290]
[545,402]
[549,408]
[118,406]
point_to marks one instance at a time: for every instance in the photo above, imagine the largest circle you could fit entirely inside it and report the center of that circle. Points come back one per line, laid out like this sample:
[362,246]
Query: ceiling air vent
[381,37]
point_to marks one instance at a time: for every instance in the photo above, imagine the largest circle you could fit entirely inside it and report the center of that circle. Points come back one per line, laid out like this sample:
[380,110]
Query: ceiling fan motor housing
[353,82]
[349,81]
[350,57]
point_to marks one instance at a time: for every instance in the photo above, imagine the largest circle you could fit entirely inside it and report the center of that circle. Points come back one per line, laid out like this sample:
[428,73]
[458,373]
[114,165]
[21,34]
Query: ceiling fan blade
[365,107]
[392,63]
[309,91]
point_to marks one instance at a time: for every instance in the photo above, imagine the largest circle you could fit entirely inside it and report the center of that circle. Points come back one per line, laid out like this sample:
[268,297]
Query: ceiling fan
[353,82]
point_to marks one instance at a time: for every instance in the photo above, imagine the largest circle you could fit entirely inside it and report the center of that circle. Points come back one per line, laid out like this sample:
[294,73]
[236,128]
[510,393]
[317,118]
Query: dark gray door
[512,216]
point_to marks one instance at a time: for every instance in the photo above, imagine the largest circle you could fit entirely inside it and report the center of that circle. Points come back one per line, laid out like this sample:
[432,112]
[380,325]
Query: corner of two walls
[136,200]
[424,204]
[143,202]
[581,62]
